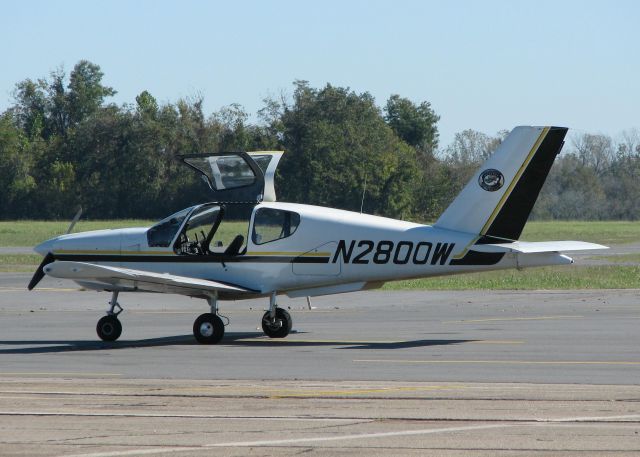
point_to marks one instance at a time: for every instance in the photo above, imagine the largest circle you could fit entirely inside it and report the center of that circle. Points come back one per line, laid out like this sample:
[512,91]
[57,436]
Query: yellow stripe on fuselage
[106,252]
[466,248]
[283,253]
[171,253]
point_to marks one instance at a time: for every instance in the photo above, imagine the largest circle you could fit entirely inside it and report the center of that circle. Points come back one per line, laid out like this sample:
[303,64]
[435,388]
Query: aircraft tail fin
[496,203]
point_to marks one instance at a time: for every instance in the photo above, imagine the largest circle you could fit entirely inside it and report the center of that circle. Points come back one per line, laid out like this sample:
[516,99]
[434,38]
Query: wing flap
[138,279]
[531,247]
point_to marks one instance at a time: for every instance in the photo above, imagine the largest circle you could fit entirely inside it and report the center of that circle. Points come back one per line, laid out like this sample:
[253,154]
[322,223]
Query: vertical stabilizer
[499,198]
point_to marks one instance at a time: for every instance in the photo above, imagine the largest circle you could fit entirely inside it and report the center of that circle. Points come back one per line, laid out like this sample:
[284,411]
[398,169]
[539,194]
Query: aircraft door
[237,177]
[317,262]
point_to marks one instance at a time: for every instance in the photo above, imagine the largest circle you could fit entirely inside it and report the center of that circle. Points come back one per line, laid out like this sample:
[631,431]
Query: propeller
[39,274]
[74,220]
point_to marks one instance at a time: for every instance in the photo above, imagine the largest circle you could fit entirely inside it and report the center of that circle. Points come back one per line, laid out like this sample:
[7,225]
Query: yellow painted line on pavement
[264,339]
[498,319]
[160,312]
[59,374]
[501,362]
[39,289]
[348,392]
[497,342]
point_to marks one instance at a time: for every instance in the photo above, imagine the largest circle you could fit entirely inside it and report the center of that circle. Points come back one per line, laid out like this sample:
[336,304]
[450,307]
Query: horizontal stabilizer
[147,281]
[530,247]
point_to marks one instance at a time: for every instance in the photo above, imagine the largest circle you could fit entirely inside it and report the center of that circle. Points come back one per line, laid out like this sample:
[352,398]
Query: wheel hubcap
[107,329]
[275,324]
[206,329]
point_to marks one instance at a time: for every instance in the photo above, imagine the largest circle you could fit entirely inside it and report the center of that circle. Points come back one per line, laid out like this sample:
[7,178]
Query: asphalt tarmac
[371,373]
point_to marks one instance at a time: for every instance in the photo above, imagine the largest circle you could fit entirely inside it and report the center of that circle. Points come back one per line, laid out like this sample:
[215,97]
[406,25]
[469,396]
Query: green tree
[146,105]
[30,107]
[415,124]
[86,93]
[16,182]
[336,140]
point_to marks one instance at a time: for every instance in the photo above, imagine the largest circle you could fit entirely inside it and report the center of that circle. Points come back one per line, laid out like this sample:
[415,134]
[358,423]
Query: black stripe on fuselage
[493,240]
[475,258]
[187,258]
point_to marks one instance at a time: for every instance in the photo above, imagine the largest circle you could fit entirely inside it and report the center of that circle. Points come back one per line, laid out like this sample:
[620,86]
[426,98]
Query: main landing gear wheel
[208,329]
[278,327]
[109,328]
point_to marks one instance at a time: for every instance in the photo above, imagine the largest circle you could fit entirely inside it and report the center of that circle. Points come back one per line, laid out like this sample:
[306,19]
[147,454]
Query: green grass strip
[605,232]
[30,233]
[568,277]
[620,258]
[19,263]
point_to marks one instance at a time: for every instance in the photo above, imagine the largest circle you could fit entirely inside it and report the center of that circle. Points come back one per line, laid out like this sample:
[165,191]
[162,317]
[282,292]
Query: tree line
[64,145]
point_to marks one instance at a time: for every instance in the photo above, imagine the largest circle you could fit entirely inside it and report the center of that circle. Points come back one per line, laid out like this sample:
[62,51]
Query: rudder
[496,203]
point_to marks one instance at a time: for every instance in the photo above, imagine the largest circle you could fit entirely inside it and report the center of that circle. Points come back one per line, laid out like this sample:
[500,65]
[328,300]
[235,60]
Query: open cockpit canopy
[237,176]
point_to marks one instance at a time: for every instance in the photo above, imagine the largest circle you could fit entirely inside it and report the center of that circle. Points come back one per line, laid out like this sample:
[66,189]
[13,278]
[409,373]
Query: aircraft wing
[139,280]
[531,247]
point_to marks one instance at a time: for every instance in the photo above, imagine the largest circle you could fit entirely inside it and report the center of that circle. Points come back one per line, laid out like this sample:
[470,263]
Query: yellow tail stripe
[515,180]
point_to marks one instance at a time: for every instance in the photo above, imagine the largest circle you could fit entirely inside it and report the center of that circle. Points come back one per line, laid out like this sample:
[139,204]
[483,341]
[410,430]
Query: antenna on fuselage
[74,220]
[364,189]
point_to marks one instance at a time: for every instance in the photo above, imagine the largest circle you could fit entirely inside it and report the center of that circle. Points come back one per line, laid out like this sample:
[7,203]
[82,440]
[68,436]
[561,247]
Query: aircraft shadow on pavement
[231,339]
[260,340]
[52,346]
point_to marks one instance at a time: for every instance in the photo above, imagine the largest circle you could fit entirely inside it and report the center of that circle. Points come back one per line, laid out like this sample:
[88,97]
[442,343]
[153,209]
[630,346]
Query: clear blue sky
[484,65]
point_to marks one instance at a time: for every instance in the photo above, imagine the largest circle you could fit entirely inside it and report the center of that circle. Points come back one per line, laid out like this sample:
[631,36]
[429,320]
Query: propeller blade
[74,220]
[39,274]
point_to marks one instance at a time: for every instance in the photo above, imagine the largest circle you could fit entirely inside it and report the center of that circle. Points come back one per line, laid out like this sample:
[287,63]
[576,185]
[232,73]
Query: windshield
[195,237]
[161,234]
[197,232]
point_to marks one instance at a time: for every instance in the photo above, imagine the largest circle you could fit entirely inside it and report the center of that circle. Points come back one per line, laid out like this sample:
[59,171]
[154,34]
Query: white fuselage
[330,251]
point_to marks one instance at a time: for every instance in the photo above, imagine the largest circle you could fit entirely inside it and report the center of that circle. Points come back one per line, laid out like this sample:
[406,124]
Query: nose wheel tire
[109,328]
[278,327]
[208,329]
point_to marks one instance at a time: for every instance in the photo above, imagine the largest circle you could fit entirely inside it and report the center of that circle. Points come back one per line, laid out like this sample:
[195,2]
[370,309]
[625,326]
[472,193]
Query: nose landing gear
[278,327]
[276,323]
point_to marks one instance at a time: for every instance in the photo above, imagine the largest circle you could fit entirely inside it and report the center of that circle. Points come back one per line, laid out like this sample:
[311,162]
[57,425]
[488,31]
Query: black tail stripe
[511,218]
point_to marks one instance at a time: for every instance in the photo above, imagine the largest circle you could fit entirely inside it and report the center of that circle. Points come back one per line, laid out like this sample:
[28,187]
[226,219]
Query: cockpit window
[161,234]
[263,161]
[198,231]
[214,230]
[273,224]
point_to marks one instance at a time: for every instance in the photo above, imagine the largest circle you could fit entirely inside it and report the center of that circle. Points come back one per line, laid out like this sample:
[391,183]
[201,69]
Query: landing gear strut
[276,323]
[208,327]
[109,327]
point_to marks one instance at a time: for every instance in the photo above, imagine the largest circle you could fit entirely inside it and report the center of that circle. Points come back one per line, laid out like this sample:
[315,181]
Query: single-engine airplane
[303,250]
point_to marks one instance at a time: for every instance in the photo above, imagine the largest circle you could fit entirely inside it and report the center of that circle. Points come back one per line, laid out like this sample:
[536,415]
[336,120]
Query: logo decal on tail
[491,180]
